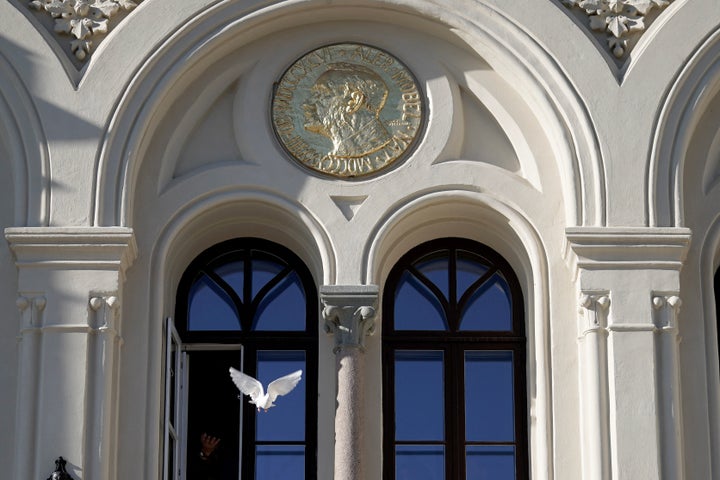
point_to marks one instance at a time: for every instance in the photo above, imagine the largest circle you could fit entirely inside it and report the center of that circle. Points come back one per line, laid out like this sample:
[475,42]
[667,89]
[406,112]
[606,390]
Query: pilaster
[628,283]
[592,349]
[349,313]
[70,286]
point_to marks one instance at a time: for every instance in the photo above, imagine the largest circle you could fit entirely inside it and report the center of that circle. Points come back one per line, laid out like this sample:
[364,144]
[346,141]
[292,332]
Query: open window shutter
[175,404]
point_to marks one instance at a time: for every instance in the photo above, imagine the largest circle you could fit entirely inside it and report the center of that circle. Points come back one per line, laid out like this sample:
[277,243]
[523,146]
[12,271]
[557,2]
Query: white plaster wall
[8,322]
[698,327]
[246,186]
[566,139]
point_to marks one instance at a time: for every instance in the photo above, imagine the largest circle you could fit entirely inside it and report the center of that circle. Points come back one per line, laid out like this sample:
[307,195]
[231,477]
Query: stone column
[667,308]
[629,379]
[592,346]
[70,286]
[349,313]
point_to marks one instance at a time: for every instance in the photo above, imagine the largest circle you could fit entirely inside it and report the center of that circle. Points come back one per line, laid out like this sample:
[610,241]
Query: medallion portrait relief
[347,110]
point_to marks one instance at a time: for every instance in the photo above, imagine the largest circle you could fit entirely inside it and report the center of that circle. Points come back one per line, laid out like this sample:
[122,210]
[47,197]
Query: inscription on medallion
[347,110]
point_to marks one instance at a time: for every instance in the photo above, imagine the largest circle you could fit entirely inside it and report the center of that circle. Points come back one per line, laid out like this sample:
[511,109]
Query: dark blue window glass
[211,308]
[419,394]
[275,462]
[416,307]
[415,462]
[469,271]
[256,300]
[263,271]
[233,273]
[278,310]
[453,354]
[489,396]
[489,307]
[490,462]
[286,421]
[435,269]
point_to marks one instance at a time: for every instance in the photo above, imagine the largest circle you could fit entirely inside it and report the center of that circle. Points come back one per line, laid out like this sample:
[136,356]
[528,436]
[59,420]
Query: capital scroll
[349,313]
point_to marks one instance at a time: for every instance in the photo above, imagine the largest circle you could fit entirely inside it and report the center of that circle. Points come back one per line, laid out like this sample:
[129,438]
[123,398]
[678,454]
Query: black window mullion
[521,409]
[458,420]
[454,344]
[248,312]
[453,320]
[246,251]
[229,290]
[388,354]
[450,427]
[266,288]
[432,287]
[249,420]
[473,288]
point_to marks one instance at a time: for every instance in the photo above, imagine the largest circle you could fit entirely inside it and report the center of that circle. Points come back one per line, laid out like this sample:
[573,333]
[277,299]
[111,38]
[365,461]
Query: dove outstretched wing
[283,385]
[247,384]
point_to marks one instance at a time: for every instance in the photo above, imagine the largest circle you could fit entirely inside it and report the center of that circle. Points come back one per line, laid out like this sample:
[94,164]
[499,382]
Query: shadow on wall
[42,112]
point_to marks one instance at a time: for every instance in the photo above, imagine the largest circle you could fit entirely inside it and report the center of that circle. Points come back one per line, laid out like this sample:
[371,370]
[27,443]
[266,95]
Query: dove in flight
[252,387]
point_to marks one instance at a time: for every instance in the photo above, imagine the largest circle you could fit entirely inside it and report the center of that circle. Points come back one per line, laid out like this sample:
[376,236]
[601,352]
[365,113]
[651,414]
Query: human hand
[208,444]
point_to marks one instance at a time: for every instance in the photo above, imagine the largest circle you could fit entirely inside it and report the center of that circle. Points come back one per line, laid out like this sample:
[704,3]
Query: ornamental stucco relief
[86,21]
[620,21]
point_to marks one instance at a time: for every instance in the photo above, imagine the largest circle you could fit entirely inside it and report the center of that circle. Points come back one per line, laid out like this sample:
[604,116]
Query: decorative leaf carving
[618,18]
[82,19]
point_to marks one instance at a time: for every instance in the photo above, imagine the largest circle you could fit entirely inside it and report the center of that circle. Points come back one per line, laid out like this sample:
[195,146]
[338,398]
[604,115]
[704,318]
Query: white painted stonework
[593,171]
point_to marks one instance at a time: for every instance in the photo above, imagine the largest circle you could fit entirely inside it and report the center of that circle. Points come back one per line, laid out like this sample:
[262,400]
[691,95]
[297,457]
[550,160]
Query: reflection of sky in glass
[485,380]
[468,271]
[416,308]
[436,270]
[490,462]
[489,307]
[489,396]
[210,307]
[283,308]
[280,462]
[419,391]
[233,274]
[419,462]
[286,421]
[262,272]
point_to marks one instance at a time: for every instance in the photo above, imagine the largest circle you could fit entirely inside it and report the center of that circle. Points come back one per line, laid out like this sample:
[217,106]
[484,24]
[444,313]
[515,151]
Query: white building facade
[578,140]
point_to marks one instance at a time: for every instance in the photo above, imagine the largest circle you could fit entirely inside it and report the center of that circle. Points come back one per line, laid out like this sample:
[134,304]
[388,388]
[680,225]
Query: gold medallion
[347,110]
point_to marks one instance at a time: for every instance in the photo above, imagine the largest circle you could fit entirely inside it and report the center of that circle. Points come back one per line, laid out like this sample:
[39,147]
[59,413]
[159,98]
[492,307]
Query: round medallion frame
[348,110]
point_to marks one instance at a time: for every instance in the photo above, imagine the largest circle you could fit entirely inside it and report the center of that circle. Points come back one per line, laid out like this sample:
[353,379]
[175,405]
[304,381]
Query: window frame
[454,342]
[254,341]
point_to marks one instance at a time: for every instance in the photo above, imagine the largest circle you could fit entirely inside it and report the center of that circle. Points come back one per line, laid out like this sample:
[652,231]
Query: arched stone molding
[195,226]
[681,118]
[684,191]
[504,228]
[706,259]
[217,32]
[223,215]
[22,135]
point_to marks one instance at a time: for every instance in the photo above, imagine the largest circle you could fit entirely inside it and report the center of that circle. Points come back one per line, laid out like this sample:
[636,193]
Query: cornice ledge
[357,295]
[106,248]
[627,247]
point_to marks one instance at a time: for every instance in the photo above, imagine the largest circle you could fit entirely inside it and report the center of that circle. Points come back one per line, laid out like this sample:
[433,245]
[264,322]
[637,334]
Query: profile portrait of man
[345,106]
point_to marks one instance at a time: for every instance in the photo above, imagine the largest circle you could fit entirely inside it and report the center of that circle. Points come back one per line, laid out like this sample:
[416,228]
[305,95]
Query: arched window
[252,305]
[454,365]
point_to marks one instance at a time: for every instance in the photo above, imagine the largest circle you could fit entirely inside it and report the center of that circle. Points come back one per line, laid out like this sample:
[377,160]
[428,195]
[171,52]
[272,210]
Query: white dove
[250,386]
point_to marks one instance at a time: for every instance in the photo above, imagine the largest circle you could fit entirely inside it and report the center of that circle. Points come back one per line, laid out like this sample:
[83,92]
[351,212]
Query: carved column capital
[31,306]
[667,309]
[349,313]
[104,316]
[593,310]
